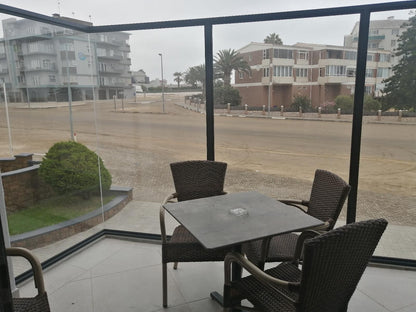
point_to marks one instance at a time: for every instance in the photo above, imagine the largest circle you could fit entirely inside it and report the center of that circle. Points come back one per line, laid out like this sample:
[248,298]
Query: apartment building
[41,62]
[319,72]
[383,34]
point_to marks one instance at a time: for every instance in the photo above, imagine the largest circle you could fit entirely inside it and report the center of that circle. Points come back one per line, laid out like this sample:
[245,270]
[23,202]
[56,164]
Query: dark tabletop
[235,218]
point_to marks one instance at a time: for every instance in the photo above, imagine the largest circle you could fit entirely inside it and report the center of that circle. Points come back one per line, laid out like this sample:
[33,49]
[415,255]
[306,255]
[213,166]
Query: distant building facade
[38,62]
[139,77]
[319,72]
[383,34]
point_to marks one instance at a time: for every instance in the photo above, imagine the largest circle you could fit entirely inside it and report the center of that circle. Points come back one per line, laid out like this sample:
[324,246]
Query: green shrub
[226,94]
[70,167]
[345,102]
[371,104]
[301,101]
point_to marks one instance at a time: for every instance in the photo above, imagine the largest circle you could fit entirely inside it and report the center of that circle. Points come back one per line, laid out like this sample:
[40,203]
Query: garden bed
[50,234]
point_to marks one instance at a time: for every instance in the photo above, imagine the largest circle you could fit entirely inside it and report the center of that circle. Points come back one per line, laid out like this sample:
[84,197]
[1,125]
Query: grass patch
[53,211]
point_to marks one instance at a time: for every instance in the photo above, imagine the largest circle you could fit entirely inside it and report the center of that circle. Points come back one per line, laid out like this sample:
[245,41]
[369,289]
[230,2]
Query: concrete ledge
[50,234]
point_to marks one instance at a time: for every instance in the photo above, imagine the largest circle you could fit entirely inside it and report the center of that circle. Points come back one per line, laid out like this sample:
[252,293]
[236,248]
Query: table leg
[226,301]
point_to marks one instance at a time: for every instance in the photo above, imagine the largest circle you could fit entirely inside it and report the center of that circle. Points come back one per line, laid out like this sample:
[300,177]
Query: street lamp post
[163,85]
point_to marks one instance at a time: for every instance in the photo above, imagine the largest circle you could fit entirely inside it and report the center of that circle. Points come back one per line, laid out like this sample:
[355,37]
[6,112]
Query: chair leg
[175,265]
[165,284]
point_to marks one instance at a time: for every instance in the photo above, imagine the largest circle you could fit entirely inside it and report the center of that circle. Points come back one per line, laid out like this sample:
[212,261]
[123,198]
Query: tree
[228,60]
[273,39]
[178,78]
[196,74]
[400,88]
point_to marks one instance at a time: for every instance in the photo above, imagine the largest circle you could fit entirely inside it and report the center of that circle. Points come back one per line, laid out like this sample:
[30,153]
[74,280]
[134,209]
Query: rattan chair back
[198,178]
[328,196]
[334,263]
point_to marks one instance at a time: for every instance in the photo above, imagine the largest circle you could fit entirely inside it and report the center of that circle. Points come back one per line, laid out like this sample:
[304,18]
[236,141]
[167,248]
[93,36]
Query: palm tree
[178,78]
[273,39]
[228,60]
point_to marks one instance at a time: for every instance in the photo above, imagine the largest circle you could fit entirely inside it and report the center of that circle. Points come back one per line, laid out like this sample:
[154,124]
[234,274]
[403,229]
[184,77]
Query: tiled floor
[118,275]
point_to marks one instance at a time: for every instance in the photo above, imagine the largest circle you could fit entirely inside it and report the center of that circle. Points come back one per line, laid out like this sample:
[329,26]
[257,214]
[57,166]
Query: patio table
[233,219]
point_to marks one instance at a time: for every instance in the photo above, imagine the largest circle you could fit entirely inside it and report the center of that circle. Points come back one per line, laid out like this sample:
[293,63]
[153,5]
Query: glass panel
[277,153]
[387,168]
[50,165]
[149,125]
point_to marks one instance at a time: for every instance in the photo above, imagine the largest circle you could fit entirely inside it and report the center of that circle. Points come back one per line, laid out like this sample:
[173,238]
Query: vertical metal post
[6,107]
[269,98]
[69,94]
[163,84]
[358,114]
[209,87]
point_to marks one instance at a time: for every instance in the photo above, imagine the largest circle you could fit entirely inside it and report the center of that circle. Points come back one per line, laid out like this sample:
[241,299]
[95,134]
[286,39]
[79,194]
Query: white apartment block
[40,62]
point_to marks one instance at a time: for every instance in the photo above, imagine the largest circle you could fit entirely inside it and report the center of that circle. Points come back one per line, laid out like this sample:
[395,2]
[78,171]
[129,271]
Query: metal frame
[208,23]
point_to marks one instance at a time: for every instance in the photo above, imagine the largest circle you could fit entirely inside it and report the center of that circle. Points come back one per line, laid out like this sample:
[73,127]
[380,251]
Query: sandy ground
[137,141]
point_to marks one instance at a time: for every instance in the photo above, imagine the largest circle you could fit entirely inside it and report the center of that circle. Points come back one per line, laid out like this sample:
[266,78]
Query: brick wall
[21,183]
[13,163]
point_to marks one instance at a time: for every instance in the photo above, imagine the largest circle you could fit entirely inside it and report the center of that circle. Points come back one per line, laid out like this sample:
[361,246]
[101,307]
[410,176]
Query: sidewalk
[200,108]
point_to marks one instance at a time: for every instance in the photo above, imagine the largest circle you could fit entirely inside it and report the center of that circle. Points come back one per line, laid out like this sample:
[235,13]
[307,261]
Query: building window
[335,70]
[33,47]
[351,72]
[369,73]
[383,72]
[393,43]
[240,75]
[303,55]
[301,72]
[283,71]
[46,64]
[373,45]
[370,57]
[373,31]
[350,55]
[334,54]
[395,32]
[283,54]
[266,54]
[52,78]
[35,80]
[384,57]
[35,64]
[266,72]
[250,58]
[101,52]
[368,89]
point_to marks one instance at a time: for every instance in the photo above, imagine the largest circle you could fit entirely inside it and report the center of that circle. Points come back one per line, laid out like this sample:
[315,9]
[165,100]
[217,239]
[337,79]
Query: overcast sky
[184,47]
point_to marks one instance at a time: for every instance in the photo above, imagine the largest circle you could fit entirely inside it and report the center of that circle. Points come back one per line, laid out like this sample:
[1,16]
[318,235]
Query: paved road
[277,157]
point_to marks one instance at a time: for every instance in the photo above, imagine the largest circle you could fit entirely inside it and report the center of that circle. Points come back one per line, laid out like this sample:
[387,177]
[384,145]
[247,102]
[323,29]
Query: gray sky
[184,47]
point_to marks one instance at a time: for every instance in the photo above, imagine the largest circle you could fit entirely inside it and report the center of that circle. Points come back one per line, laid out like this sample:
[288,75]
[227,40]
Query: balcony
[138,135]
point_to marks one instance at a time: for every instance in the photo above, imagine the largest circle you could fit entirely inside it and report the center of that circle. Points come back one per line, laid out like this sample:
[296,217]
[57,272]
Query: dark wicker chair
[193,179]
[40,302]
[327,198]
[333,264]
